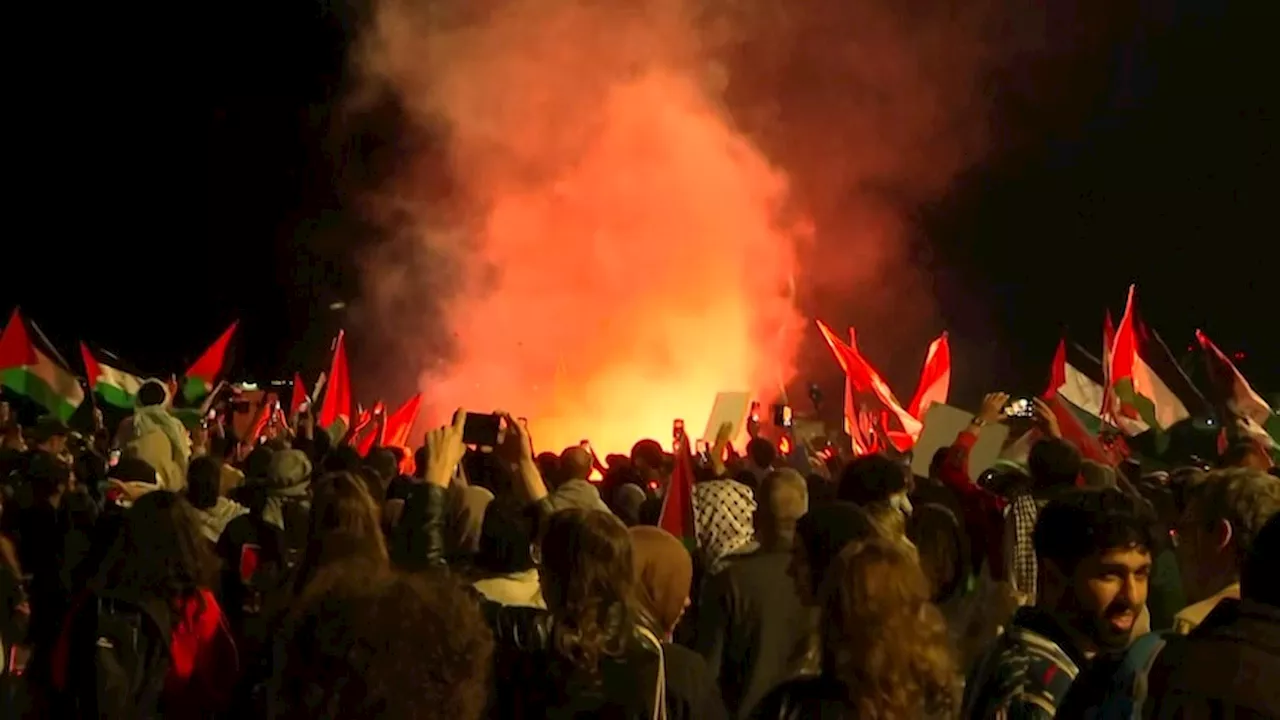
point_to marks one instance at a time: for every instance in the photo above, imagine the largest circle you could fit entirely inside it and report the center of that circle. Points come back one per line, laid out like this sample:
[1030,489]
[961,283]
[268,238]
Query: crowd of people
[164,571]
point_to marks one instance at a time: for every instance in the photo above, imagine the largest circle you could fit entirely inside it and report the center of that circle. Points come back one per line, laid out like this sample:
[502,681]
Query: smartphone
[754,415]
[481,429]
[250,554]
[782,416]
[277,406]
[677,429]
[113,459]
[1020,408]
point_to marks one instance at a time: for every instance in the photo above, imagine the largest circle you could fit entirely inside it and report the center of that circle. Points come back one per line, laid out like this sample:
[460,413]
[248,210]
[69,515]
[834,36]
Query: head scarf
[724,514]
[827,529]
[664,573]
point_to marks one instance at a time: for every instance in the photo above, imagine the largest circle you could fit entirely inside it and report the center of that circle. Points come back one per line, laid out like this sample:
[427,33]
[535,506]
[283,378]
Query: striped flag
[28,370]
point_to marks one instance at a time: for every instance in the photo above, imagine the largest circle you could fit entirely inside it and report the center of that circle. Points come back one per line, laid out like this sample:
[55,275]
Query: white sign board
[942,423]
[730,407]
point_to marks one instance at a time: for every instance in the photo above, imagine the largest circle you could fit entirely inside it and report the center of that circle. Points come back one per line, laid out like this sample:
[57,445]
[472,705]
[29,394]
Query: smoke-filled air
[613,247]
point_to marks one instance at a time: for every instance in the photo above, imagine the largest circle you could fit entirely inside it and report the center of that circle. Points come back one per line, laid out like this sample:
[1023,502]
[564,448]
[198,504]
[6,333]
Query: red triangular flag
[935,378]
[16,349]
[205,370]
[91,368]
[337,397]
[399,424]
[299,395]
[1230,387]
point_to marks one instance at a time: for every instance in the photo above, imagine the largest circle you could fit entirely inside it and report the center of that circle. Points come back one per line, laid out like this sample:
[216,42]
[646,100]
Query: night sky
[177,173]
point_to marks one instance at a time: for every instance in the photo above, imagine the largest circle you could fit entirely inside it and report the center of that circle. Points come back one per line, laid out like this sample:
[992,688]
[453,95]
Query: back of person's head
[257,464]
[762,453]
[663,576]
[48,474]
[647,455]
[936,462]
[783,498]
[420,461]
[343,458]
[944,550]
[1259,582]
[204,482]
[159,551]
[587,582]
[151,393]
[1097,476]
[884,641]
[1054,463]
[549,467]
[820,536]
[506,538]
[1006,480]
[575,464]
[871,479]
[891,520]
[344,524]
[374,643]
[1245,454]
[1223,515]
[384,464]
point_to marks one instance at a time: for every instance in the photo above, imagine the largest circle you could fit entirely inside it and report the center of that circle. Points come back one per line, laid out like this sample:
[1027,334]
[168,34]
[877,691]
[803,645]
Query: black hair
[1081,523]
[1054,462]
[47,474]
[939,457]
[762,452]
[204,482]
[872,479]
[506,535]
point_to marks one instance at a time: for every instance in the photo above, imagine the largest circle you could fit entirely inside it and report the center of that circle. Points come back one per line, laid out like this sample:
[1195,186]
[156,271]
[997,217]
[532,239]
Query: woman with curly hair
[885,652]
[592,660]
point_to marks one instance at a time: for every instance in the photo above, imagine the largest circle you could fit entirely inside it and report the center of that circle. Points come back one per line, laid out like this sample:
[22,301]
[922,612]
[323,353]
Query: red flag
[202,374]
[935,378]
[16,349]
[865,380]
[1073,430]
[337,398]
[1230,387]
[400,423]
[299,394]
[677,506]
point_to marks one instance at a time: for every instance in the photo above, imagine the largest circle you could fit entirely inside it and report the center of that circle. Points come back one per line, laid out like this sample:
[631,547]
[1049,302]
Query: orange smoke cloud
[618,247]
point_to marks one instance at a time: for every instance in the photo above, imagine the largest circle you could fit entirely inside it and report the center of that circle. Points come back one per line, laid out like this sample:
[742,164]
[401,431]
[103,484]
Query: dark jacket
[809,698]
[1229,666]
[750,624]
[550,687]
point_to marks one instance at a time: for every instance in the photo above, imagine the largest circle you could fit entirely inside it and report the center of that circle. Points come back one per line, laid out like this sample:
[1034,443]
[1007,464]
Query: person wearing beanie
[289,480]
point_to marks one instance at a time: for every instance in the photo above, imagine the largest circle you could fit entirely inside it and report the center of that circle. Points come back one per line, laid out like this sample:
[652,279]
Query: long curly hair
[344,523]
[587,582]
[159,552]
[882,638]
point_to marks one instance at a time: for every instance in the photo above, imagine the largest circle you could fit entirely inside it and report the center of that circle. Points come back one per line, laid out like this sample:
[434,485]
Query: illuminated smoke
[613,248]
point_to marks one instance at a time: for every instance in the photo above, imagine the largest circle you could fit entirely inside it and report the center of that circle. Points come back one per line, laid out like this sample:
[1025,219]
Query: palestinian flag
[935,378]
[677,504]
[28,370]
[1076,377]
[115,386]
[1234,394]
[199,379]
[1146,381]
[1075,397]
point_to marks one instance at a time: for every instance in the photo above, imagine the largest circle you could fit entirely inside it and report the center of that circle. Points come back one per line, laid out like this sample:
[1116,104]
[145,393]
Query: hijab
[663,572]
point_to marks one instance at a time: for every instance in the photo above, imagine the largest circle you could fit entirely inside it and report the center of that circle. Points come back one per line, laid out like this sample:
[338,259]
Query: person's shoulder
[1024,675]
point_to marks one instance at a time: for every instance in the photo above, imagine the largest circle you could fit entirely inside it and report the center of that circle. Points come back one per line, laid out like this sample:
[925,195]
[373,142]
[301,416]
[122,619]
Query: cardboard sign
[730,407]
[942,423]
